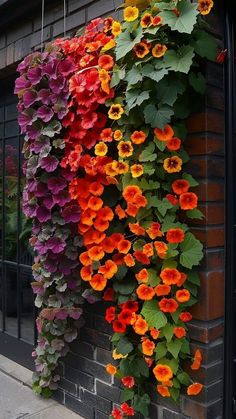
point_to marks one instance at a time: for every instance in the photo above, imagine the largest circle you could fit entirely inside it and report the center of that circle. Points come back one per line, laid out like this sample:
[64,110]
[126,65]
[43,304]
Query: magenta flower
[43,214]
[45,113]
[29,97]
[34,75]
[56,185]
[56,245]
[71,213]
[49,163]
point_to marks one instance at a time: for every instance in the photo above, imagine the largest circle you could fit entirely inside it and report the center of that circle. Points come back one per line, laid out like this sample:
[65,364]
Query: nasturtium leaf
[176,383]
[139,367]
[133,76]
[191,287]
[157,117]
[141,404]
[162,205]
[153,73]
[153,278]
[185,348]
[180,60]
[183,21]
[204,44]
[161,145]
[148,153]
[195,213]
[175,393]
[191,251]
[124,42]
[166,5]
[174,347]
[124,346]
[160,350]
[168,331]
[198,82]
[180,130]
[126,394]
[124,286]
[117,75]
[184,378]
[193,277]
[116,337]
[122,270]
[148,168]
[168,90]
[175,315]
[153,315]
[135,98]
[190,179]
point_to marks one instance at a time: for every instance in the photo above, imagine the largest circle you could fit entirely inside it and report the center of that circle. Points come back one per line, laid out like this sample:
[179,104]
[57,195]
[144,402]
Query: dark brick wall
[85,386]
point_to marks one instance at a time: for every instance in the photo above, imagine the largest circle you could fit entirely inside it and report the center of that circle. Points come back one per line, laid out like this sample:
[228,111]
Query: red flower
[172,199]
[179,332]
[128,410]
[109,294]
[175,235]
[106,61]
[168,305]
[131,305]
[117,414]
[173,144]
[110,314]
[125,316]
[119,327]
[128,381]
[221,56]
[180,186]
[188,201]
[141,257]
[185,316]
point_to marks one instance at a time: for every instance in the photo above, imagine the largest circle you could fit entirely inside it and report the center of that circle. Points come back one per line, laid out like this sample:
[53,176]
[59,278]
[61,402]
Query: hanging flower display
[106,186]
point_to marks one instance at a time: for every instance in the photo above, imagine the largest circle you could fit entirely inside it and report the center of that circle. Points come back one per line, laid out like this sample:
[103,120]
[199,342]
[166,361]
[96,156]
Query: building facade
[85,387]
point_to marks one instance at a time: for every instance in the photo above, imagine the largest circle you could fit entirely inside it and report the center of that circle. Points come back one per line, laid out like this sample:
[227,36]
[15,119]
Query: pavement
[17,401]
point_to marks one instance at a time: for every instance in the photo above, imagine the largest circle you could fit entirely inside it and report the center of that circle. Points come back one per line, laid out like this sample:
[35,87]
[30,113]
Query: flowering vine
[108,193]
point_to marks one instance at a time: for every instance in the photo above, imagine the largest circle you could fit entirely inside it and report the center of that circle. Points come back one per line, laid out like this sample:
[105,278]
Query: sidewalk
[17,401]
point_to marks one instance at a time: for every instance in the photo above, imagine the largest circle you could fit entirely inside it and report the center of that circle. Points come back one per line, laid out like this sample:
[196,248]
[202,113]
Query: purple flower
[57,84]
[51,265]
[29,210]
[67,174]
[34,131]
[20,84]
[43,214]
[44,96]
[34,75]
[48,201]
[56,184]
[41,248]
[29,97]
[45,113]
[66,67]
[61,314]
[71,213]
[56,245]
[50,70]
[61,198]
[41,189]
[38,288]
[40,144]
[49,163]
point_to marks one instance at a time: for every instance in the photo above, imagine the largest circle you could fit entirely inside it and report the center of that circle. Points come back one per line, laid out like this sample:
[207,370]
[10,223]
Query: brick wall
[85,386]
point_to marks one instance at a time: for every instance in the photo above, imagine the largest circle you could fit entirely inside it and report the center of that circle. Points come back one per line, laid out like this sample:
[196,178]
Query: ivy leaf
[166,5]
[153,315]
[160,350]
[198,82]
[161,145]
[133,76]
[153,73]
[180,60]
[157,117]
[190,179]
[205,45]
[168,90]
[135,98]
[191,251]
[125,43]
[141,404]
[174,347]
[195,213]
[185,20]
[124,346]
[148,153]
[148,168]
[184,378]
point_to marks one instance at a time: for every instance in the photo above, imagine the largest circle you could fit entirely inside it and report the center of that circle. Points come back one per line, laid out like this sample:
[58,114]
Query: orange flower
[108,245]
[148,347]
[140,326]
[129,260]
[145,293]
[194,389]
[130,192]
[183,295]
[96,188]
[106,135]
[131,13]
[115,28]
[137,229]
[125,316]
[141,257]
[132,210]
[138,137]
[118,259]
[104,79]
[163,390]
[96,253]
[161,249]
[95,203]
[116,238]
[142,276]
[120,212]
[124,246]
[175,235]
[125,149]
[179,332]
[172,164]
[148,249]
[100,224]
[205,6]
[197,360]
[106,61]
[154,333]
[162,372]
[182,279]
[86,273]
[164,134]
[180,186]
[108,270]
[173,144]
[117,135]
[136,170]
[121,167]
[115,112]
[159,50]
[85,259]
[98,282]
[146,20]
[141,49]
[168,305]
[161,290]
[106,213]
[154,231]
[185,316]
[170,276]
[111,369]
[188,201]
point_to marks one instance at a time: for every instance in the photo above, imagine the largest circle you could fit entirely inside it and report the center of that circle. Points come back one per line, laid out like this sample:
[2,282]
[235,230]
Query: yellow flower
[205,6]
[159,50]
[125,149]
[110,170]
[141,49]
[130,13]
[136,170]
[120,167]
[118,135]
[101,149]
[111,369]
[116,28]
[115,355]
[115,111]
[172,164]
[109,45]
[146,20]
[104,79]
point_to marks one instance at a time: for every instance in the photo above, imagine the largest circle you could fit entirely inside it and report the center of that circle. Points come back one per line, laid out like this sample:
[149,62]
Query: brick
[51,15]
[68,386]
[72,22]
[214,74]
[202,411]
[103,356]
[19,31]
[10,54]
[200,144]
[170,414]
[108,392]
[22,48]
[211,352]
[3,58]
[83,348]
[2,41]
[96,401]
[210,191]
[210,237]
[213,259]
[100,415]
[59,396]
[88,366]
[210,121]
[215,98]
[77,406]
[206,331]
[100,8]
[80,378]
[211,290]
[102,325]
[214,214]
[96,338]
[35,38]
[78,4]
[210,167]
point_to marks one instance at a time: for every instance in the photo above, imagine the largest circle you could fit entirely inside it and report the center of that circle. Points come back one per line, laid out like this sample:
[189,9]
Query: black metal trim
[17,350]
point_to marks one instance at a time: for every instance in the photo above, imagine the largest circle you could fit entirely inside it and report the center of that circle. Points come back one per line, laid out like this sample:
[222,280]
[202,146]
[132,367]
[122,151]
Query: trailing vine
[104,117]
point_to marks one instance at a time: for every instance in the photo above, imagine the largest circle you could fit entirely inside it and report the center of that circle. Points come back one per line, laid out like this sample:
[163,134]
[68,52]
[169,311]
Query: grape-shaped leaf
[157,117]
[183,21]
[153,315]
[180,60]
[191,251]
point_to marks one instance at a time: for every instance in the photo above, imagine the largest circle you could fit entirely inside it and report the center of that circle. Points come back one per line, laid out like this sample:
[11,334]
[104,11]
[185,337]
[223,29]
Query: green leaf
[180,60]
[160,350]
[139,368]
[148,169]
[161,145]
[174,347]
[168,90]
[126,394]
[153,315]
[180,130]
[135,98]
[172,363]
[198,82]
[162,205]
[124,42]
[190,179]
[195,213]
[185,347]
[168,331]
[124,346]
[133,76]
[191,251]
[184,378]
[122,271]
[185,21]
[117,75]
[141,404]
[191,287]
[148,153]
[157,117]
[175,393]
[153,73]
[153,278]
[124,286]
[205,45]
[193,277]
[166,5]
